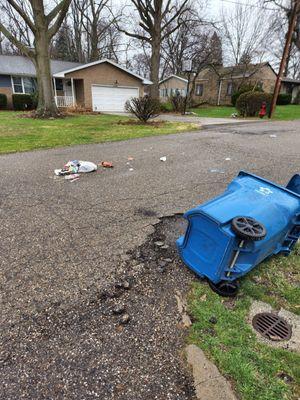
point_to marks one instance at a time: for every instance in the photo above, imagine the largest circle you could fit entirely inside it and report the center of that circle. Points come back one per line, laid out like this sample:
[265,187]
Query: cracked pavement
[63,243]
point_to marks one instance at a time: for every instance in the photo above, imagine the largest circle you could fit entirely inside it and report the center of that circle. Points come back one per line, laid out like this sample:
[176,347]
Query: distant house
[171,86]
[100,86]
[216,84]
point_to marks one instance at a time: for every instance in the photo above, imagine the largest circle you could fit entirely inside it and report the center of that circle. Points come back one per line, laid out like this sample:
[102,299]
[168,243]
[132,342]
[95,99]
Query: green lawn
[214,111]
[22,134]
[255,369]
[282,112]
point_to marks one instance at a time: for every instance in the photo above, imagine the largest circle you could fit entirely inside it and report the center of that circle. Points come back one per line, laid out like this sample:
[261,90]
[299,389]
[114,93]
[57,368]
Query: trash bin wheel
[248,228]
[225,288]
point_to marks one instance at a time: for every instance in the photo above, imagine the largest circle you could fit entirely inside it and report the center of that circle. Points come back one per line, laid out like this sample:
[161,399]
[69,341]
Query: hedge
[244,89]
[3,101]
[284,99]
[249,103]
[23,102]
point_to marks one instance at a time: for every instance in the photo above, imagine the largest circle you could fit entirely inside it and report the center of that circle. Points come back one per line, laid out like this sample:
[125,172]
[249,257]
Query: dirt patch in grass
[154,124]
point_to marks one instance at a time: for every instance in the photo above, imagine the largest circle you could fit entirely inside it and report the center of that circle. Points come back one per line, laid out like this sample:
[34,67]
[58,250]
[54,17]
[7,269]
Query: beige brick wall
[102,74]
[8,91]
[210,90]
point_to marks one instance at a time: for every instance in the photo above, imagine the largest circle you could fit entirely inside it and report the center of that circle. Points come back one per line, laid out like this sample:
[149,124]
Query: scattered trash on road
[106,164]
[71,176]
[130,169]
[87,166]
[75,166]
[72,169]
[228,159]
[164,158]
[220,171]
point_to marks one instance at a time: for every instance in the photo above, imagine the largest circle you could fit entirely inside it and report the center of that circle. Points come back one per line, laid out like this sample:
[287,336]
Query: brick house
[215,84]
[101,85]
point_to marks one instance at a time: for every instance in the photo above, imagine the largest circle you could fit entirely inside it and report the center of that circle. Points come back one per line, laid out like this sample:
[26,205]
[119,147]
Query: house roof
[291,80]
[236,71]
[61,74]
[20,65]
[173,76]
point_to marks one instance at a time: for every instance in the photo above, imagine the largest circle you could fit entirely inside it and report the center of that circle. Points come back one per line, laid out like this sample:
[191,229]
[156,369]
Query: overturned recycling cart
[231,234]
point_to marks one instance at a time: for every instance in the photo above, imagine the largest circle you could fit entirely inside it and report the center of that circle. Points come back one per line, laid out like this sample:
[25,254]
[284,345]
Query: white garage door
[111,98]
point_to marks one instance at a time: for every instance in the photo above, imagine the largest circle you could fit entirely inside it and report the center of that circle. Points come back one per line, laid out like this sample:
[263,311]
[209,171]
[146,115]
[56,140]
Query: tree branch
[64,9]
[21,12]
[52,14]
[135,35]
[23,48]
[178,13]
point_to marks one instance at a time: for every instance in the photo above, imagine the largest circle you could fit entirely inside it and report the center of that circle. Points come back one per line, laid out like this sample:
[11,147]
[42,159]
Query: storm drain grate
[272,327]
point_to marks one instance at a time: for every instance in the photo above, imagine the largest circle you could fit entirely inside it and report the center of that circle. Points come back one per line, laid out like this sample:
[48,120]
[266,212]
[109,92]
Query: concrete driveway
[64,245]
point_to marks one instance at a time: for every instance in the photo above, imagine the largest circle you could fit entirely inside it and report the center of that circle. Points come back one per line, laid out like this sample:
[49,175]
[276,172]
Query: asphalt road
[63,241]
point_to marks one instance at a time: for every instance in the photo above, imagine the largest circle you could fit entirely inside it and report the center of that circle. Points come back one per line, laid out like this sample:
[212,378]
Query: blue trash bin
[231,234]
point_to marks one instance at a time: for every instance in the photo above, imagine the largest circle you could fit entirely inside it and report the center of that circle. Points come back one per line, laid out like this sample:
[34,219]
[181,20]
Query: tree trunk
[154,67]
[46,104]
[94,56]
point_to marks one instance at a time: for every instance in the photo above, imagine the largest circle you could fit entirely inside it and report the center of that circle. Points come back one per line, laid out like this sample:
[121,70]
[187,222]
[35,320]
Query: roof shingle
[19,65]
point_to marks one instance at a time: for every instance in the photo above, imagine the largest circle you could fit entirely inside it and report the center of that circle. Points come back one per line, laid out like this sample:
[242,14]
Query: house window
[199,89]
[29,85]
[17,84]
[229,88]
[23,84]
[164,92]
[59,84]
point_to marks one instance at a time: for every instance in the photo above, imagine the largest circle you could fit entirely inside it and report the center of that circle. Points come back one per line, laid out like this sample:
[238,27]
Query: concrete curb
[209,383]
[230,124]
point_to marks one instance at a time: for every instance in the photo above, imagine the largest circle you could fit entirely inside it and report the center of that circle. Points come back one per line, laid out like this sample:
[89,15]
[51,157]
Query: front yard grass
[22,134]
[255,369]
[282,113]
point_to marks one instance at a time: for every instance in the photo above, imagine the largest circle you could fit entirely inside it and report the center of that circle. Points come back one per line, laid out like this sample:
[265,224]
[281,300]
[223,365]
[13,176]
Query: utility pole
[292,24]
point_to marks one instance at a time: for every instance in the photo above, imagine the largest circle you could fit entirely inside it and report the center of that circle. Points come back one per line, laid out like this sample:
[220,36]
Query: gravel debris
[78,349]
[124,319]
[120,309]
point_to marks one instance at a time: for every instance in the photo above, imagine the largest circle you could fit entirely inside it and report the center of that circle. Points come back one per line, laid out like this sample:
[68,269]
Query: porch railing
[64,101]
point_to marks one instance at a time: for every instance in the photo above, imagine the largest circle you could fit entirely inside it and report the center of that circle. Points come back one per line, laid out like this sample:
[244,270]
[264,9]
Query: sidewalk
[205,122]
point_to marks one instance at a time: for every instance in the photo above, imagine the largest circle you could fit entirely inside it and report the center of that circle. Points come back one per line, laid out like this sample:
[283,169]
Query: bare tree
[190,41]
[77,27]
[280,21]
[43,26]
[245,34]
[63,45]
[140,63]
[155,18]
[95,33]
[286,8]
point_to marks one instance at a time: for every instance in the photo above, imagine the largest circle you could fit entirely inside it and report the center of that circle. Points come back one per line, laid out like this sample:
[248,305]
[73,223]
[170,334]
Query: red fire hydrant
[263,110]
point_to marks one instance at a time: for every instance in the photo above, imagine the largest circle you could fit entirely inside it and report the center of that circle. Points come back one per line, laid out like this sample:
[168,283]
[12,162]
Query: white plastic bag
[86,166]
